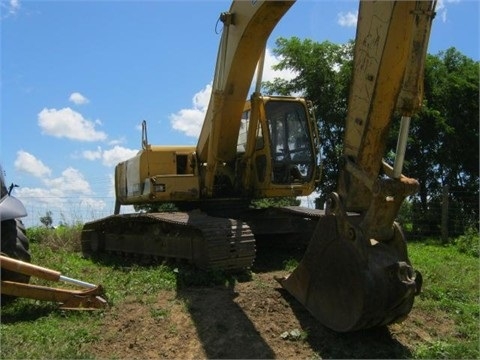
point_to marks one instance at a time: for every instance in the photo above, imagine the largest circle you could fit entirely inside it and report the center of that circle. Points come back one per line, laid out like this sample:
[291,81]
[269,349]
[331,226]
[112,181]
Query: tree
[443,146]
[275,202]
[156,207]
[47,219]
[443,143]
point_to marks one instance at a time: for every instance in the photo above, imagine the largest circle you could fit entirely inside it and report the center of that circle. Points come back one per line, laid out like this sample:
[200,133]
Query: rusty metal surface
[346,289]
[86,299]
[90,299]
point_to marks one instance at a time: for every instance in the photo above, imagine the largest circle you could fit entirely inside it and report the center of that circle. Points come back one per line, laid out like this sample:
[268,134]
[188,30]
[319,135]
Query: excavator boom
[247,26]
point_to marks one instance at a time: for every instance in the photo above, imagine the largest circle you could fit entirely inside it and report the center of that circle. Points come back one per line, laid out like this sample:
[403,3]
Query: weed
[260,283]
[159,314]
[172,329]
[189,276]
[451,285]
[34,329]
[61,238]
[60,335]
[290,264]
[469,243]
[295,335]
[437,350]
[447,350]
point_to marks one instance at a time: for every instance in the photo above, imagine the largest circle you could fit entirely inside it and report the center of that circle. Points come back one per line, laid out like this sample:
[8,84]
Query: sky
[79,77]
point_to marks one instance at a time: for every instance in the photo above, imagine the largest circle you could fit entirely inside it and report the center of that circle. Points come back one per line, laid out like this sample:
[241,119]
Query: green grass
[32,329]
[35,330]
[290,264]
[450,286]
[38,331]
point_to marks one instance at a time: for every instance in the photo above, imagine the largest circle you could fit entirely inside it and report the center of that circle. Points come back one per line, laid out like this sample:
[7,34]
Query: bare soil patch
[250,319]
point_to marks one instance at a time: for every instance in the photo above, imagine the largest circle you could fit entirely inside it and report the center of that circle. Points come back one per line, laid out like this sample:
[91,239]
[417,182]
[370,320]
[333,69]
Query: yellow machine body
[158,174]
[276,154]
[356,272]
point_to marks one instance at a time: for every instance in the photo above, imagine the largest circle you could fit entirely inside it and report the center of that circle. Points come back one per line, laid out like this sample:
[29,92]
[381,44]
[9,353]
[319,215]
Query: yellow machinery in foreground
[356,272]
[16,269]
[89,298]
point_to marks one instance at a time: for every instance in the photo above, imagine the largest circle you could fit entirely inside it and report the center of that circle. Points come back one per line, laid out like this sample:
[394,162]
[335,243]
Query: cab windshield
[290,142]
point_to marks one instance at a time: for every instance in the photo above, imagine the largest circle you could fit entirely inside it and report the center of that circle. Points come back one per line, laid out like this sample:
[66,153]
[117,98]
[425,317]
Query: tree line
[443,144]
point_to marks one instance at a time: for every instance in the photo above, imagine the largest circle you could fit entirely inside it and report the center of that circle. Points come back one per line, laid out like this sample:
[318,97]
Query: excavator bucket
[349,287]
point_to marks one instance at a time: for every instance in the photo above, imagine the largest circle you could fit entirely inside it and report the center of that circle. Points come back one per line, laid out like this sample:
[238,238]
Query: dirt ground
[250,319]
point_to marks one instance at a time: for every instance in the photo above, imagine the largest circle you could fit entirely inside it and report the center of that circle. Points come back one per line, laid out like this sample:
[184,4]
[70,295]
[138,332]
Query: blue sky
[78,78]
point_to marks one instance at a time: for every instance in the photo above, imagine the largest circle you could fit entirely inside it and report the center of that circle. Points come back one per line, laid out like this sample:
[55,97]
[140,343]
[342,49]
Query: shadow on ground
[231,328]
[241,316]
[22,310]
[375,343]
[222,326]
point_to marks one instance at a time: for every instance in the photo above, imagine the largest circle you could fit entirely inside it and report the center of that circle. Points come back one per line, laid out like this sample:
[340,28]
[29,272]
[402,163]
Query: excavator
[355,273]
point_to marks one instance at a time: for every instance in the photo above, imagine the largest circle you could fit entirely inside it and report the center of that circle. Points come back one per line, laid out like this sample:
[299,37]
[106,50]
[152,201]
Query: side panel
[158,174]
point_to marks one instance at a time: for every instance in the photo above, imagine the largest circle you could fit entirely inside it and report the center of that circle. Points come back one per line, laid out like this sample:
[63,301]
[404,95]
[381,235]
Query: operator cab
[278,137]
[290,142]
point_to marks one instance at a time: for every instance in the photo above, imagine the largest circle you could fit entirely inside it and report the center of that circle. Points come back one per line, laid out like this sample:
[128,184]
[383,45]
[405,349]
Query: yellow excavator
[356,272]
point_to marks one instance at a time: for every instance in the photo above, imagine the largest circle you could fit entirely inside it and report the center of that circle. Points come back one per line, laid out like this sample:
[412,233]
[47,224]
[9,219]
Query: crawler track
[205,241]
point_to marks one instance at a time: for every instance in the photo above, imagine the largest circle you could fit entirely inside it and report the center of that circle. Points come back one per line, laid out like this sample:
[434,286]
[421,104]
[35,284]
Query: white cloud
[116,155]
[71,181]
[110,157]
[348,19]
[29,164]
[78,99]
[441,10]
[440,5]
[202,98]
[68,123]
[14,6]
[443,15]
[51,197]
[189,121]
[92,154]
[64,207]
[93,203]
[11,8]
[67,196]
[120,140]
[269,74]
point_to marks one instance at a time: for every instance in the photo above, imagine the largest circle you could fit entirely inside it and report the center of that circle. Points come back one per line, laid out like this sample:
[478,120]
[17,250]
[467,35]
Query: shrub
[63,237]
[469,242]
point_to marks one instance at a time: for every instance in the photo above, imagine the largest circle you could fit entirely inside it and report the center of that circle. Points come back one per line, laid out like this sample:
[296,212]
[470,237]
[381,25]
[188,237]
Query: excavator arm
[390,52]
[356,272]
